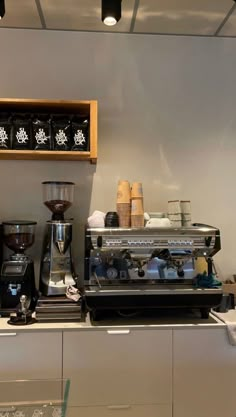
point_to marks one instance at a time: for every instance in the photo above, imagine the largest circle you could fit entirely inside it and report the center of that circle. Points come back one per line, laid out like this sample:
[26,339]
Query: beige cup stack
[123,203]
[179,213]
[174,213]
[185,212]
[129,204]
[137,211]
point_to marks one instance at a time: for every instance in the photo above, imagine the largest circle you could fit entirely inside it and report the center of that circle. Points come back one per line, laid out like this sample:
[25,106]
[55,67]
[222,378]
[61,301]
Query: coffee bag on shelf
[21,132]
[61,132]
[5,131]
[80,134]
[41,132]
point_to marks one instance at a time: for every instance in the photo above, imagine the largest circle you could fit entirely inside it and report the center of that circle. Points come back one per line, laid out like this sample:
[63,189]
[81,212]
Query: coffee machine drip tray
[151,297]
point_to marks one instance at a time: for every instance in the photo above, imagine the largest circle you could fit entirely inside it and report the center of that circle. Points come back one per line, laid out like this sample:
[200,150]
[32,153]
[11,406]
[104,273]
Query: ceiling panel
[21,14]
[83,15]
[229,29]
[192,17]
[187,17]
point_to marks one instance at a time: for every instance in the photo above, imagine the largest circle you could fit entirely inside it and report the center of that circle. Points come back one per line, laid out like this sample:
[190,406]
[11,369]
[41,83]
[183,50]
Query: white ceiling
[174,17]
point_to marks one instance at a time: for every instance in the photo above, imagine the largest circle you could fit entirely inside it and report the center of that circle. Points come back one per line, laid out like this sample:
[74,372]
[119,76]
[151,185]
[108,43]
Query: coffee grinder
[56,271]
[17,273]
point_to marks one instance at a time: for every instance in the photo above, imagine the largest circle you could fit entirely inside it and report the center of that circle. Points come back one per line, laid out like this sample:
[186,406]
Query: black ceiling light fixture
[111,12]
[2,8]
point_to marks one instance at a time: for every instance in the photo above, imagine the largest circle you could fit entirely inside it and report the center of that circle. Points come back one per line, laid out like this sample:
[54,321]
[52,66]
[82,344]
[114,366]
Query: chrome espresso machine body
[149,268]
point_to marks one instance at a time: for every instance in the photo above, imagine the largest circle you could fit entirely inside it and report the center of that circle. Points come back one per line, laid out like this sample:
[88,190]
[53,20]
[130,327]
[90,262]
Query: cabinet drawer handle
[7,334]
[118,331]
[118,407]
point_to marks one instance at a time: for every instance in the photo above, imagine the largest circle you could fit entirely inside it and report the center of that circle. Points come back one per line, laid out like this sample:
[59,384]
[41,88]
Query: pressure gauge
[112,273]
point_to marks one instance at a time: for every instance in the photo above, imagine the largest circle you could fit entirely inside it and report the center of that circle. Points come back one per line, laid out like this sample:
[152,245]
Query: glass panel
[34,398]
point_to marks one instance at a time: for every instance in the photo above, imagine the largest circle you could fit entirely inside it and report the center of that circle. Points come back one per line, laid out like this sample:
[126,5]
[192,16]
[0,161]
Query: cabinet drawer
[31,355]
[162,410]
[118,367]
[204,374]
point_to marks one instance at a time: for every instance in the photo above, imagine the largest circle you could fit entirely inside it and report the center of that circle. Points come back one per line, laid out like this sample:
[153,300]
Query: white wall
[166,117]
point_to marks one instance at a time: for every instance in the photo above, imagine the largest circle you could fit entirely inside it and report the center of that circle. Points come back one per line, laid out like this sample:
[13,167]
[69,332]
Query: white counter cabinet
[30,355]
[204,374]
[119,369]
[170,370]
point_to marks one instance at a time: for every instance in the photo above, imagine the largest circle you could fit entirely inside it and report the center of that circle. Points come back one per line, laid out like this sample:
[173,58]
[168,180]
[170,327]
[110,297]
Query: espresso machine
[138,269]
[56,271]
[17,273]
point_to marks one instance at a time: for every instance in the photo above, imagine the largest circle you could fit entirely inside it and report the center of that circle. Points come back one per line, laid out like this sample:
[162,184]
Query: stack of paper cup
[123,203]
[136,190]
[185,206]
[137,210]
[174,213]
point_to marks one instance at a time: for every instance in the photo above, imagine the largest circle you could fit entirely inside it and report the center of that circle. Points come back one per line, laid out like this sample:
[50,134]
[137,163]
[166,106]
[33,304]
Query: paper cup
[137,190]
[123,192]
[185,206]
[137,220]
[137,206]
[186,220]
[175,220]
[123,211]
[174,207]
[186,212]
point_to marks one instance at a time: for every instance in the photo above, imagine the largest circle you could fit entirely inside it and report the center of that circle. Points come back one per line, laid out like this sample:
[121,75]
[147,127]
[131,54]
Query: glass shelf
[34,398]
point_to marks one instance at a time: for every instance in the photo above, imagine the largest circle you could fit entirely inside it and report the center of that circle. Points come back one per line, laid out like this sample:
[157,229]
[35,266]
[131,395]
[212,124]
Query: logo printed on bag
[41,137]
[79,138]
[22,136]
[3,136]
[61,138]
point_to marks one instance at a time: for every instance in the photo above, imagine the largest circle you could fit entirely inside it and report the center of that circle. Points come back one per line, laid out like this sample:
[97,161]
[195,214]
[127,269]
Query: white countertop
[163,323]
[229,317]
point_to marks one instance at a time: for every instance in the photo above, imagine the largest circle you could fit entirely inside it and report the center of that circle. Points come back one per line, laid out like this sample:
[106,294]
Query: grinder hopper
[58,197]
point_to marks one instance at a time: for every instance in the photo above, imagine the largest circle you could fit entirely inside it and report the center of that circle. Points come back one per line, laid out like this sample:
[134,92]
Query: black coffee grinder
[17,273]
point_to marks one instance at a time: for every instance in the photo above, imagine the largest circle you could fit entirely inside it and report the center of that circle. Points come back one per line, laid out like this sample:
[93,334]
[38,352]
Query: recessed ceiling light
[111,12]
[2,8]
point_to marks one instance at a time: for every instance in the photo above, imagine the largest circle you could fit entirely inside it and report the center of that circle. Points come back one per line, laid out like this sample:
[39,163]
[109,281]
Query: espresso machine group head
[56,271]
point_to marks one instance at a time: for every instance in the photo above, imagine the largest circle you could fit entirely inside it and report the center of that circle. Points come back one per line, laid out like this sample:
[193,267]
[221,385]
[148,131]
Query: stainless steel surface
[61,236]
[146,256]
[121,290]
[151,254]
[56,271]
[149,268]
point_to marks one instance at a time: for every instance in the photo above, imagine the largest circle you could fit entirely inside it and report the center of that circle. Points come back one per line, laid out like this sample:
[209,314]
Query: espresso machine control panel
[201,241]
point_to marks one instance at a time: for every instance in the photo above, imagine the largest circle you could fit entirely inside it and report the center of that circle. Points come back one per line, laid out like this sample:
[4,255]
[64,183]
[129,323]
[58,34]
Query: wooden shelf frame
[83,108]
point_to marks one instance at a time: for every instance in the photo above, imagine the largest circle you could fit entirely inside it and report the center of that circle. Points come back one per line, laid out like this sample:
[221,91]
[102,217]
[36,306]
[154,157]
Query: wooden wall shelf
[82,108]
